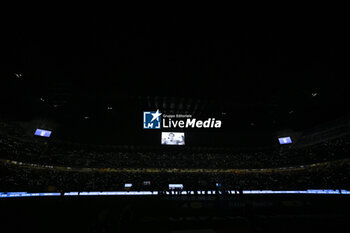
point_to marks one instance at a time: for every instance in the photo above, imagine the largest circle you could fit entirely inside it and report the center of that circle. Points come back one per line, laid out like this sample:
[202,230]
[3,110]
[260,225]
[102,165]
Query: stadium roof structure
[257,76]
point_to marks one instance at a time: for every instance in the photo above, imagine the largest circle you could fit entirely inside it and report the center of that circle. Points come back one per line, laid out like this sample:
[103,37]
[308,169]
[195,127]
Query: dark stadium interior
[91,80]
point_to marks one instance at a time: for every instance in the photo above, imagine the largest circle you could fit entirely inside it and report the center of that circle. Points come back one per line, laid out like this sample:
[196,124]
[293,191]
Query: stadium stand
[30,164]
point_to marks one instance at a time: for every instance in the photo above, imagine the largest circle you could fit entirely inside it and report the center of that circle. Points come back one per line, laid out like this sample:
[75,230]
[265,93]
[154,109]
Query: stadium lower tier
[22,177]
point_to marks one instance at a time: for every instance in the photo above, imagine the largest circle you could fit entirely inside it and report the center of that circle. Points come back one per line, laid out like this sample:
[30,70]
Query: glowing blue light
[42,133]
[285,140]
[345,192]
[172,186]
[309,191]
[25,194]
[199,192]
[71,194]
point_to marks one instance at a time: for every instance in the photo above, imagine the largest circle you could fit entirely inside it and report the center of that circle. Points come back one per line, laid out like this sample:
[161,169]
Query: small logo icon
[151,120]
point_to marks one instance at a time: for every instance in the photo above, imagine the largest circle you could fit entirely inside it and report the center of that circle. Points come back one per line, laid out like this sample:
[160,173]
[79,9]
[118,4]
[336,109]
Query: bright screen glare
[42,133]
[176,186]
[172,138]
[285,140]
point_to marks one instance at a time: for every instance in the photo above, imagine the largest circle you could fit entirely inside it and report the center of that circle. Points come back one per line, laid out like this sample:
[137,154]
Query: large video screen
[285,140]
[42,133]
[172,138]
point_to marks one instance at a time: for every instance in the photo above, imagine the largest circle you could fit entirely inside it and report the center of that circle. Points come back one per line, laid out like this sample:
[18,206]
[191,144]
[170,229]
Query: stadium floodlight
[285,140]
[18,75]
[42,133]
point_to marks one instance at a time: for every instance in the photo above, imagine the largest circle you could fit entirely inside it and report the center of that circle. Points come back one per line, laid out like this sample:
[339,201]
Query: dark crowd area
[33,164]
[51,153]
[17,178]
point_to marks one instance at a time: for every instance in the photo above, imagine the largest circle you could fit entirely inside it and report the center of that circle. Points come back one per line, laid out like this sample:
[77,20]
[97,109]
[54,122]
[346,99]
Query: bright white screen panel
[285,140]
[173,138]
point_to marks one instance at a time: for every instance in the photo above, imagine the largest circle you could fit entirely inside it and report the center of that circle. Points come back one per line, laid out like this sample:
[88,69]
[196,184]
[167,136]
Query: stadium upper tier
[51,153]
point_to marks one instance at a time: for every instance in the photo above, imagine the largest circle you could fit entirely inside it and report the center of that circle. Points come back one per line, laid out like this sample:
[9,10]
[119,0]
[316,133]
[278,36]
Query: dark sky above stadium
[274,65]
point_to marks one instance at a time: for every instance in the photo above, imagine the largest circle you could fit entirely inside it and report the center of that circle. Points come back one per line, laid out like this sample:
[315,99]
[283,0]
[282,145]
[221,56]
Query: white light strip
[309,191]
[198,192]
[345,192]
[71,194]
[24,194]
[172,186]
[118,193]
